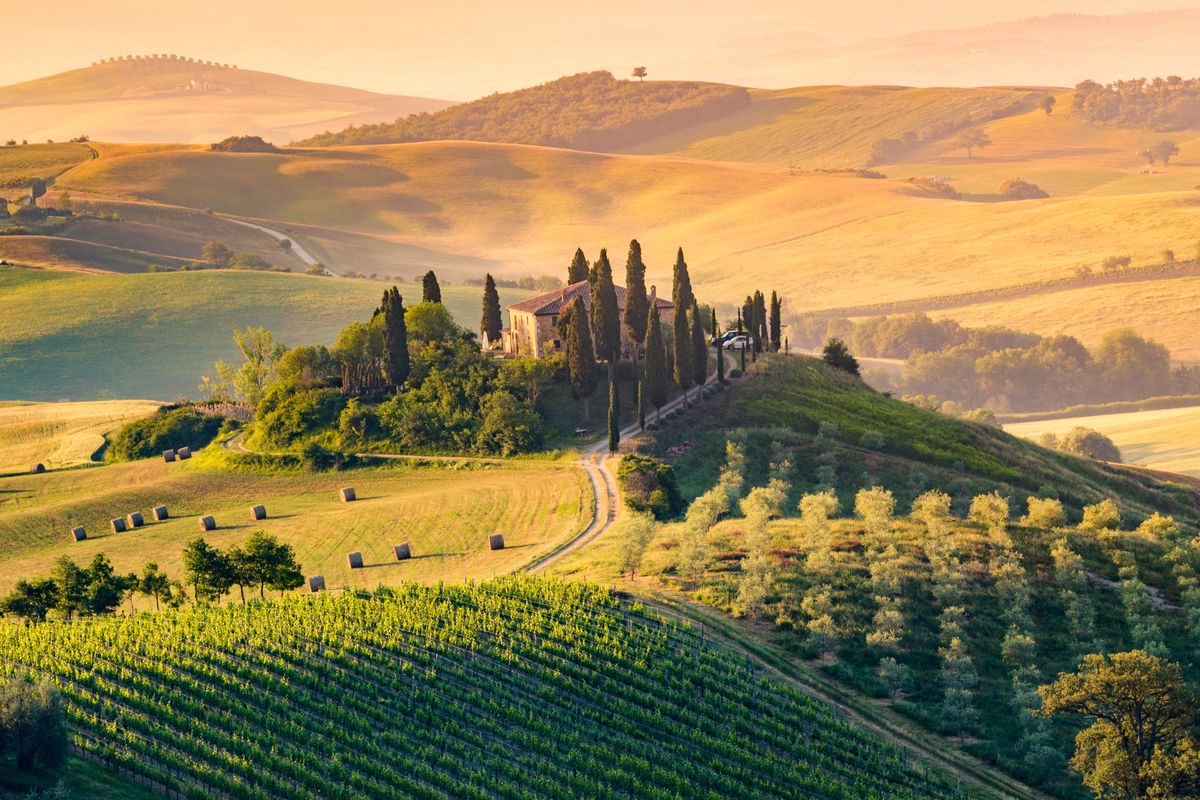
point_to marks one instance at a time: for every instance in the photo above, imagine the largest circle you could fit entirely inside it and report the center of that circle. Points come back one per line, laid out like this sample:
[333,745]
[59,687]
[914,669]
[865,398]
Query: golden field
[59,435]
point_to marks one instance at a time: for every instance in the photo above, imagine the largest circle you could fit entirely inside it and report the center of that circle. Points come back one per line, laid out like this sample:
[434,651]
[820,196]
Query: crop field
[444,510]
[86,337]
[38,161]
[517,687]
[60,434]
[1164,439]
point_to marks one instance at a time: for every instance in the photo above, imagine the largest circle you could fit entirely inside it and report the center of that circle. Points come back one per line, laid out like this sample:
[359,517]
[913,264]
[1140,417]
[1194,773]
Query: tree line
[1163,104]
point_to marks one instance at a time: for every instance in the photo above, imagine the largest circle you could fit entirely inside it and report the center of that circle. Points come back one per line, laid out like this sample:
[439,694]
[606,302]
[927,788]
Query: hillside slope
[512,688]
[176,100]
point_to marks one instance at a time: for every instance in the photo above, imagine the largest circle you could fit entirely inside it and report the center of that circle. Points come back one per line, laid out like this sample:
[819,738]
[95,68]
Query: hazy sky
[459,50]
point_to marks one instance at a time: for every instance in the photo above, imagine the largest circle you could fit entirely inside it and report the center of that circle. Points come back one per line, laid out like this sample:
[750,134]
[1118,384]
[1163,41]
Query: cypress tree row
[492,322]
[606,314]
[395,340]
[581,359]
[699,351]
[578,271]
[614,415]
[431,292]
[775,326]
[655,380]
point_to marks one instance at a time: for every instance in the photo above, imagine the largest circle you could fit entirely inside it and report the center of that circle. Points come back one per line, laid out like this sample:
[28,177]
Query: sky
[459,50]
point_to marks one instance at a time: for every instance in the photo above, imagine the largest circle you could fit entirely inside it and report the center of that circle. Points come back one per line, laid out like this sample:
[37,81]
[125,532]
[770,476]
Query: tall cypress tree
[637,304]
[614,417]
[492,321]
[760,316]
[606,314]
[681,285]
[655,381]
[699,350]
[578,271]
[431,292]
[641,402]
[683,350]
[716,331]
[395,339]
[581,358]
[775,326]
[748,314]
[720,361]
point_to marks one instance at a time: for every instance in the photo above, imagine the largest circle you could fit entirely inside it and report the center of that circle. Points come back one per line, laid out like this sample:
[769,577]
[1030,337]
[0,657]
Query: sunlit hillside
[173,99]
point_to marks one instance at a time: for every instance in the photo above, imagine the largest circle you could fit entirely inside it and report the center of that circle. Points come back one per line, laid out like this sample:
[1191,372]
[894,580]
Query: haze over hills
[173,99]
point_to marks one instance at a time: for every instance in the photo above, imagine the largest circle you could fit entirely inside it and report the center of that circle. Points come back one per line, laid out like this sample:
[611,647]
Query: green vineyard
[517,688]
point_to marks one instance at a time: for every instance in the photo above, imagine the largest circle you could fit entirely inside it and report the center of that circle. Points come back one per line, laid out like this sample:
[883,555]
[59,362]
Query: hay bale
[348,495]
[496,541]
[355,560]
[316,583]
[37,469]
[117,524]
[161,513]
[403,551]
[168,456]
[183,452]
[207,523]
[258,512]
[135,519]
[78,534]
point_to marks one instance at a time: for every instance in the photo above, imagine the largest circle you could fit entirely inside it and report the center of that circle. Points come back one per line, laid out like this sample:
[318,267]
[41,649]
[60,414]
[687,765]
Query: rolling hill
[91,337]
[173,99]
[513,687]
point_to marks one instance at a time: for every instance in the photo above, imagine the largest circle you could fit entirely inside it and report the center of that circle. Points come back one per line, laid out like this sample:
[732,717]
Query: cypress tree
[681,285]
[578,271]
[606,315]
[395,339]
[655,381]
[614,416]
[581,359]
[775,326]
[637,304]
[641,402]
[431,292]
[720,361]
[760,317]
[739,320]
[713,322]
[492,321]
[699,352]
[683,350]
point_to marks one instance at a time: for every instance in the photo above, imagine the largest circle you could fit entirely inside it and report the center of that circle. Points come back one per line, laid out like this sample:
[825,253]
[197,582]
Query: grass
[88,337]
[43,161]
[60,435]
[81,778]
[444,510]
[1163,439]
[786,399]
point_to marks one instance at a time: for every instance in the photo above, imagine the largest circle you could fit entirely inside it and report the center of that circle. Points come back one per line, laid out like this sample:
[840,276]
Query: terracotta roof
[554,302]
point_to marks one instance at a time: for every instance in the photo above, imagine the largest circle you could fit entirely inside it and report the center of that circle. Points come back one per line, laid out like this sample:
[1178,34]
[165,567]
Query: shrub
[936,185]
[735,373]
[244,144]
[1101,516]
[1045,513]
[509,427]
[29,215]
[649,485]
[1017,189]
[168,428]
[873,440]
[1087,442]
[301,413]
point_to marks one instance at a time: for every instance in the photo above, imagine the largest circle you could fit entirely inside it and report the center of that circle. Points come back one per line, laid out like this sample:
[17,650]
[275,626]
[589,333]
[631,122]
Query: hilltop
[169,98]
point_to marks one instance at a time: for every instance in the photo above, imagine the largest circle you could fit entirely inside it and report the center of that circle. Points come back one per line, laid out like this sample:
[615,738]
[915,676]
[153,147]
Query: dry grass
[445,513]
[1164,439]
[60,434]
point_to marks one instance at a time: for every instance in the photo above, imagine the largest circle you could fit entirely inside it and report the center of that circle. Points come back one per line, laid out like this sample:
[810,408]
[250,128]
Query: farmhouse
[533,324]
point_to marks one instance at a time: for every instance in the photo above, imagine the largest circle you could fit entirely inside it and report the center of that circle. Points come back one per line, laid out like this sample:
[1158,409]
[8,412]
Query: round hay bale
[183,452]
[78,534]
[207,523]
[496,541]
[161,513]
[168,456]
[258,512]
[316,583]
[117,524]
[37,469]
[403,552]
[348,495]
[135,519]
[355,560]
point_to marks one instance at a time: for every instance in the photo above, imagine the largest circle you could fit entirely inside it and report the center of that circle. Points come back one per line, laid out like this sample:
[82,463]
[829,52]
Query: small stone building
[533,324]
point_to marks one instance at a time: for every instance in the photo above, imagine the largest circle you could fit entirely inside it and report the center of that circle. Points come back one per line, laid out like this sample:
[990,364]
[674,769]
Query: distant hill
[588,111]
[173,99]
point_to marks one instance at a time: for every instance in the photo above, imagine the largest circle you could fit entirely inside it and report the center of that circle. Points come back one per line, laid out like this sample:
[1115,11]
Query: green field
[522,688]
[444,510]
[59,435]
[85,337]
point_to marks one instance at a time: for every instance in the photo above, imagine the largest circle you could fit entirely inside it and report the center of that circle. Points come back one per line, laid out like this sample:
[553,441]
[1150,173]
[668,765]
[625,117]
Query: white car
[741,342]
